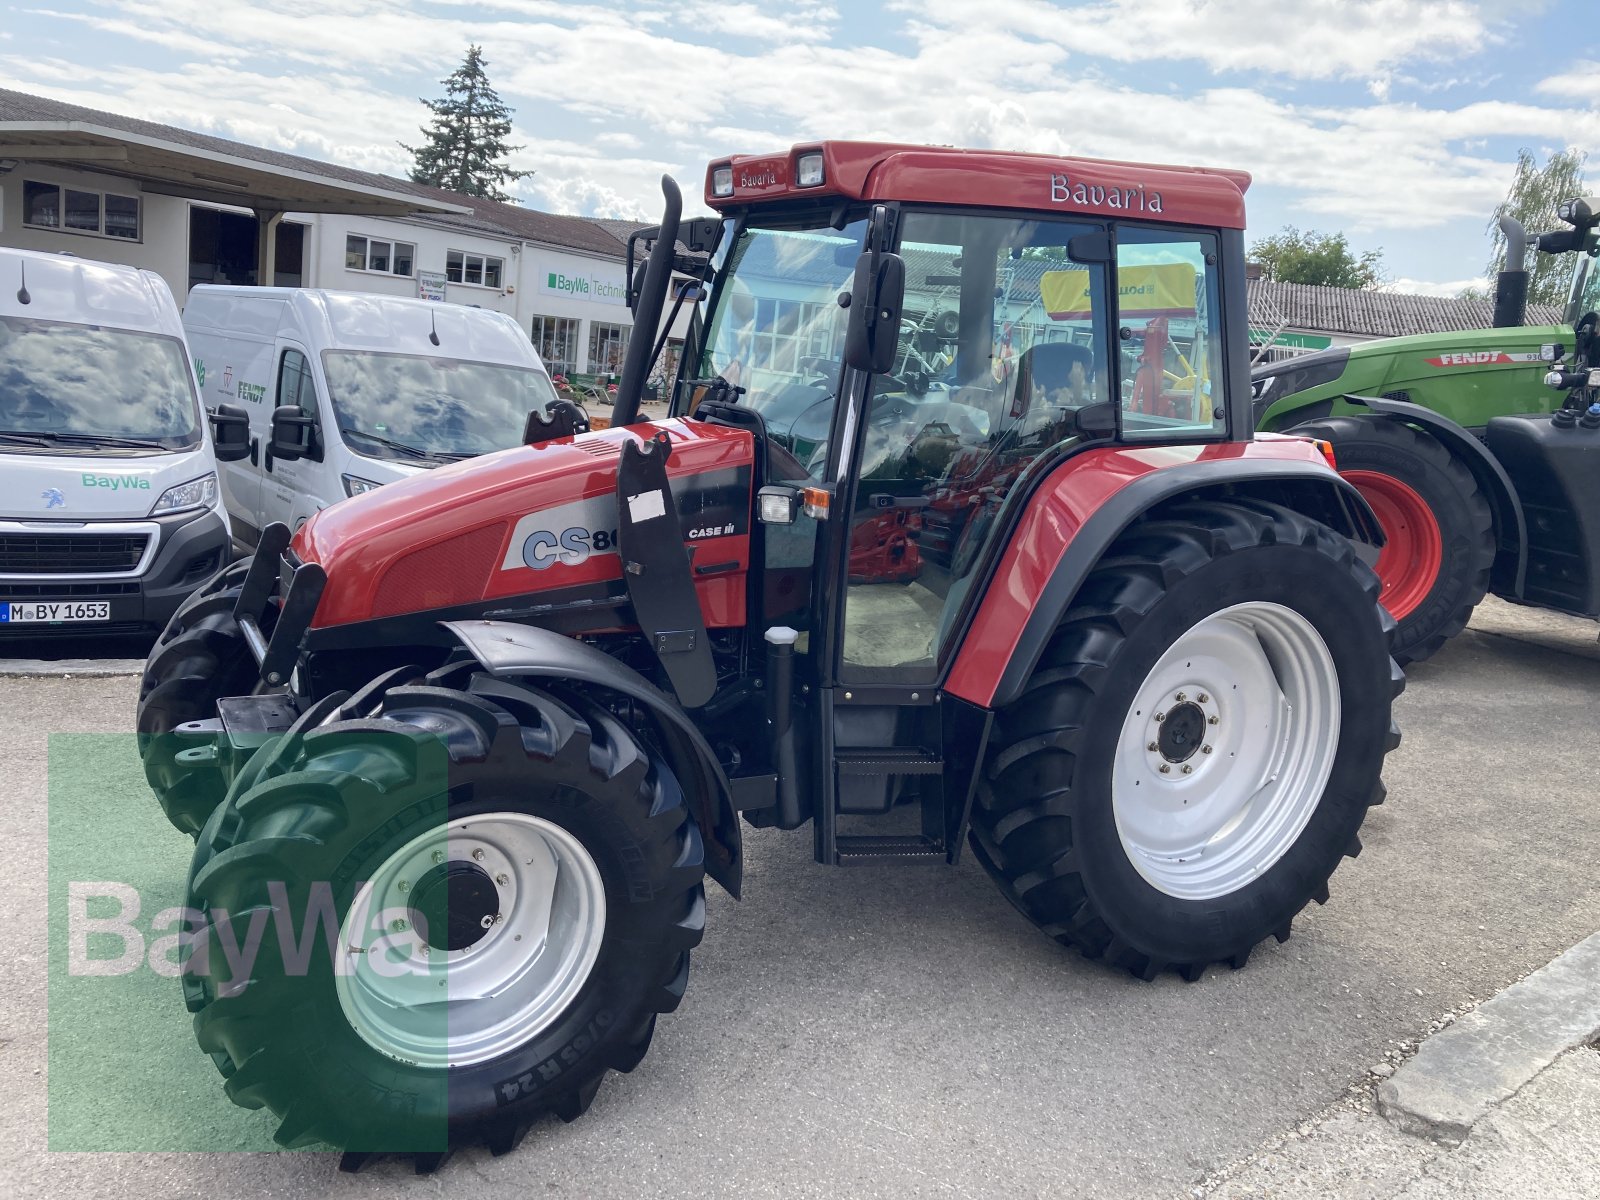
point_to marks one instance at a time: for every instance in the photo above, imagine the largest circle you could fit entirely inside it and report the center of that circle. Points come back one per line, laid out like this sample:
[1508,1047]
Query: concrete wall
[162,245]
[537,280]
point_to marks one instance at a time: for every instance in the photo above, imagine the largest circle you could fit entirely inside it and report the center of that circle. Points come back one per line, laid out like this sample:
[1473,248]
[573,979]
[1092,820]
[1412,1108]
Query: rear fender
[509,650]
[995,662]
[1510,524]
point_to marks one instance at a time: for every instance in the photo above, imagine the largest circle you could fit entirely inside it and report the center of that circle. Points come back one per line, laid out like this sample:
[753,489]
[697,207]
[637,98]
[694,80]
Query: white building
[200,209]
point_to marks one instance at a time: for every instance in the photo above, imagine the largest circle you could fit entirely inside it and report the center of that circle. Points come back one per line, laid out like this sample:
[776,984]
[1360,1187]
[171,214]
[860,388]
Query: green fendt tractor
[1471,447]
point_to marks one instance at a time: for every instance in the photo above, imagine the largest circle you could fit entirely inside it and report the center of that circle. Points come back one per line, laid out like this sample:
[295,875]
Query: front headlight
[197,493]
[354,485]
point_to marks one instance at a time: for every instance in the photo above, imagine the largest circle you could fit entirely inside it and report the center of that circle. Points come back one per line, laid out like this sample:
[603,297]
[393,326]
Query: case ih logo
[1480,358]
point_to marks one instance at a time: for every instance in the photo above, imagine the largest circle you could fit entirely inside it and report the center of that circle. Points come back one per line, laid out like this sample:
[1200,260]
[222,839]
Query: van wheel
[1199,743]
[199,658]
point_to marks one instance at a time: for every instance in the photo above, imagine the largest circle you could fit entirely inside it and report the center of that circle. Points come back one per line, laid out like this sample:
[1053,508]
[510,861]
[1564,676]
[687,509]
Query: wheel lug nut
[1160,717]
[477,856]
[399,925]
[405,885]
[1181,697]
[1164,768]
[1205,749]
[1153,746]
[1213,720]
[438,856]
[502,879]
[1187,769]
[1202,697]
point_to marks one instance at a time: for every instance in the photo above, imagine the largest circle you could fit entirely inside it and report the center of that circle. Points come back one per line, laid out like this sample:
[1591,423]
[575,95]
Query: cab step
[851,848]
[888,761]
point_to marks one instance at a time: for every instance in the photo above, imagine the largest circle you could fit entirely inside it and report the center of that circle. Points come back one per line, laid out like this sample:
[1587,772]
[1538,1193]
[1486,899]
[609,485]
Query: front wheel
[465,904]
[1199,743]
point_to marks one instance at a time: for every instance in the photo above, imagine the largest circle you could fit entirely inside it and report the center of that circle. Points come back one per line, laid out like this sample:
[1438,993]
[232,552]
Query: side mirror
[294,433]
[230,433]
[876,297]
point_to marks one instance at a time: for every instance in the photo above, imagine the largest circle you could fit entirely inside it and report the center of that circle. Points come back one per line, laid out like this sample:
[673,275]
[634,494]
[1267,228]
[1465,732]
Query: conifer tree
[466,148]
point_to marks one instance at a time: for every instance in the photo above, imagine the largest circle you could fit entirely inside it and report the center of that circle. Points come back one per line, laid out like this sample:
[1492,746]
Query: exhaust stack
[1511,287]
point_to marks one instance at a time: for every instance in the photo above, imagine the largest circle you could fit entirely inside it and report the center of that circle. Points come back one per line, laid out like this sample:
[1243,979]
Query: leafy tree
[1292,256]
[466,141]
[1535,192]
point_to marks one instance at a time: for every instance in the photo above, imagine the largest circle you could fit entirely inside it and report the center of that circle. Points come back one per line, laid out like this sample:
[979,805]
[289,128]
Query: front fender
[507,649]
[1510,523]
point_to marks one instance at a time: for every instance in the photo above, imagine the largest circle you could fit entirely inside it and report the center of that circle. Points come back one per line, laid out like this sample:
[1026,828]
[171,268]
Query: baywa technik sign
[584,285]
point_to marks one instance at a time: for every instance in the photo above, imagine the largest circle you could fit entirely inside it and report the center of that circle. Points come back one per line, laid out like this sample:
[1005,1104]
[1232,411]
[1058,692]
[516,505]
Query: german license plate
[29,612]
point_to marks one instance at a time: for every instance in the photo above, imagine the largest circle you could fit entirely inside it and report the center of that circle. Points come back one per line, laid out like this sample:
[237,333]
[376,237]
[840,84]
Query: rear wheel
[199,658]
[497,889]
[1435,567]
[1199,743]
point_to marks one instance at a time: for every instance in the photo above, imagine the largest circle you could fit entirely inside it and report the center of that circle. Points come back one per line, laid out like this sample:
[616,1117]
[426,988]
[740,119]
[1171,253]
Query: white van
[110,513]
[346,391]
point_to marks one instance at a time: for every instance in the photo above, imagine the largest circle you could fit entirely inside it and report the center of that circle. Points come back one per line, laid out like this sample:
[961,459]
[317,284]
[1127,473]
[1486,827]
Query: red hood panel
[526,520]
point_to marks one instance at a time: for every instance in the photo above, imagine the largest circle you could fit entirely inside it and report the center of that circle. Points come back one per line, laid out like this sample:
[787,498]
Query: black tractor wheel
[1435,567]
[1198,744]
[468,905]
[199,658]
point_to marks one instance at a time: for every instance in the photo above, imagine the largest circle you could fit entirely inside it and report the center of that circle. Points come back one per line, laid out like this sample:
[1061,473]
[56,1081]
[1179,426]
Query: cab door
[293,489]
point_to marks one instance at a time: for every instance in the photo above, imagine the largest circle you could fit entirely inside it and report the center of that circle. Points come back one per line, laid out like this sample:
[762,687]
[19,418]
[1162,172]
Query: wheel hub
[1182,732]
[457,900]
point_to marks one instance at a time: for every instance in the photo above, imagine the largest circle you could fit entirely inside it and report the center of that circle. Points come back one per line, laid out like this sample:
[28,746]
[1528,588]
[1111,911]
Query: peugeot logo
[53,498]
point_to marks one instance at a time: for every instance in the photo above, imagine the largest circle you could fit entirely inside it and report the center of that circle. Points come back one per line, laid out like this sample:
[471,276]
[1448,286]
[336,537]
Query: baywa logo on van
[117,483]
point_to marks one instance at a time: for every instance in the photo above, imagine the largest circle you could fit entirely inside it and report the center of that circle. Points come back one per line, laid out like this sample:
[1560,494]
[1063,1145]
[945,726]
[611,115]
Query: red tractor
[460,752]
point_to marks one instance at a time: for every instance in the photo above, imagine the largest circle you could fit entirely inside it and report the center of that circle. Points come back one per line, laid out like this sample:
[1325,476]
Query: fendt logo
[1481,358]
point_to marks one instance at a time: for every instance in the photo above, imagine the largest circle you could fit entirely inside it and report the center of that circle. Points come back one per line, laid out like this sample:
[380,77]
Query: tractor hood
[474,537]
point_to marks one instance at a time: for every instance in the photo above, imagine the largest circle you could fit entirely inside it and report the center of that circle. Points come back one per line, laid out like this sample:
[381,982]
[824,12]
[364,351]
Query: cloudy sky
[1395,121]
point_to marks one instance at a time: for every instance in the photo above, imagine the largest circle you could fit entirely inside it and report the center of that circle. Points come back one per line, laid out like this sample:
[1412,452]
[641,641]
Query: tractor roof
[1041,183]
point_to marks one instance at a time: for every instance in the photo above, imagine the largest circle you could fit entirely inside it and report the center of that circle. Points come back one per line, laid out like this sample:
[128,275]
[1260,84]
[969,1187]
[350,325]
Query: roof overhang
[171,168]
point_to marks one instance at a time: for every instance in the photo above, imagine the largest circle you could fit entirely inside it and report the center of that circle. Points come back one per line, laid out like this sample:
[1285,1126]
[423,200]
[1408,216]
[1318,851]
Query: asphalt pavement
[901,1031]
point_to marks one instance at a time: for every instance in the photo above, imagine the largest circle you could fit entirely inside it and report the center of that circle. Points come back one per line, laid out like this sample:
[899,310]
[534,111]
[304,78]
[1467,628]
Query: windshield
[405,406]
[93,385]
[776,329]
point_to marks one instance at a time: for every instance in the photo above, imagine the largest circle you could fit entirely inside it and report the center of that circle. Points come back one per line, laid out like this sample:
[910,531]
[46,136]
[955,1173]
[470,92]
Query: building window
[51,206]
[556,340]
[607,345]
[479,269]
[373,254]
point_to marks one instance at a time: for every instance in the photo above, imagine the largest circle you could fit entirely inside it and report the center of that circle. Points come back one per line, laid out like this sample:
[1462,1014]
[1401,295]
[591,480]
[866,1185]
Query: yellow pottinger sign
[1166,290]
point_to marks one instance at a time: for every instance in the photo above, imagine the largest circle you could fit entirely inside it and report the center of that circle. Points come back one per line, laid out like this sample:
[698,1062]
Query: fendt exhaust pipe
[647,315]
[1511,285]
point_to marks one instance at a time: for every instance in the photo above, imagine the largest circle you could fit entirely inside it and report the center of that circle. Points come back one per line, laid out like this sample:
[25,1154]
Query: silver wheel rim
[431,1006]
[1199,821]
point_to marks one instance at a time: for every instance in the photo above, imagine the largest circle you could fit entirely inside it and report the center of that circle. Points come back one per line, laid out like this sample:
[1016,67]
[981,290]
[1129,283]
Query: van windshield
[405,406]
[91,388]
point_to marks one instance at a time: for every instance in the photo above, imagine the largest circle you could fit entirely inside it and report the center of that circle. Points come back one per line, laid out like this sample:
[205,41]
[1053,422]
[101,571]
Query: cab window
[1169,334]
[295,383]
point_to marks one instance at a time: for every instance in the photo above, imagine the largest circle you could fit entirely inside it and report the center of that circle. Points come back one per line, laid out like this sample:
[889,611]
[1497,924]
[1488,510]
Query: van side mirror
[876,297]
[294,433]
[230,432]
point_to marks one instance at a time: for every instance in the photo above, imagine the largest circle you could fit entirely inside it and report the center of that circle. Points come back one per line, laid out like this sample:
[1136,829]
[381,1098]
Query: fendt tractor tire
[1435,568]
[199,658]
[493,795]
[1231,638]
